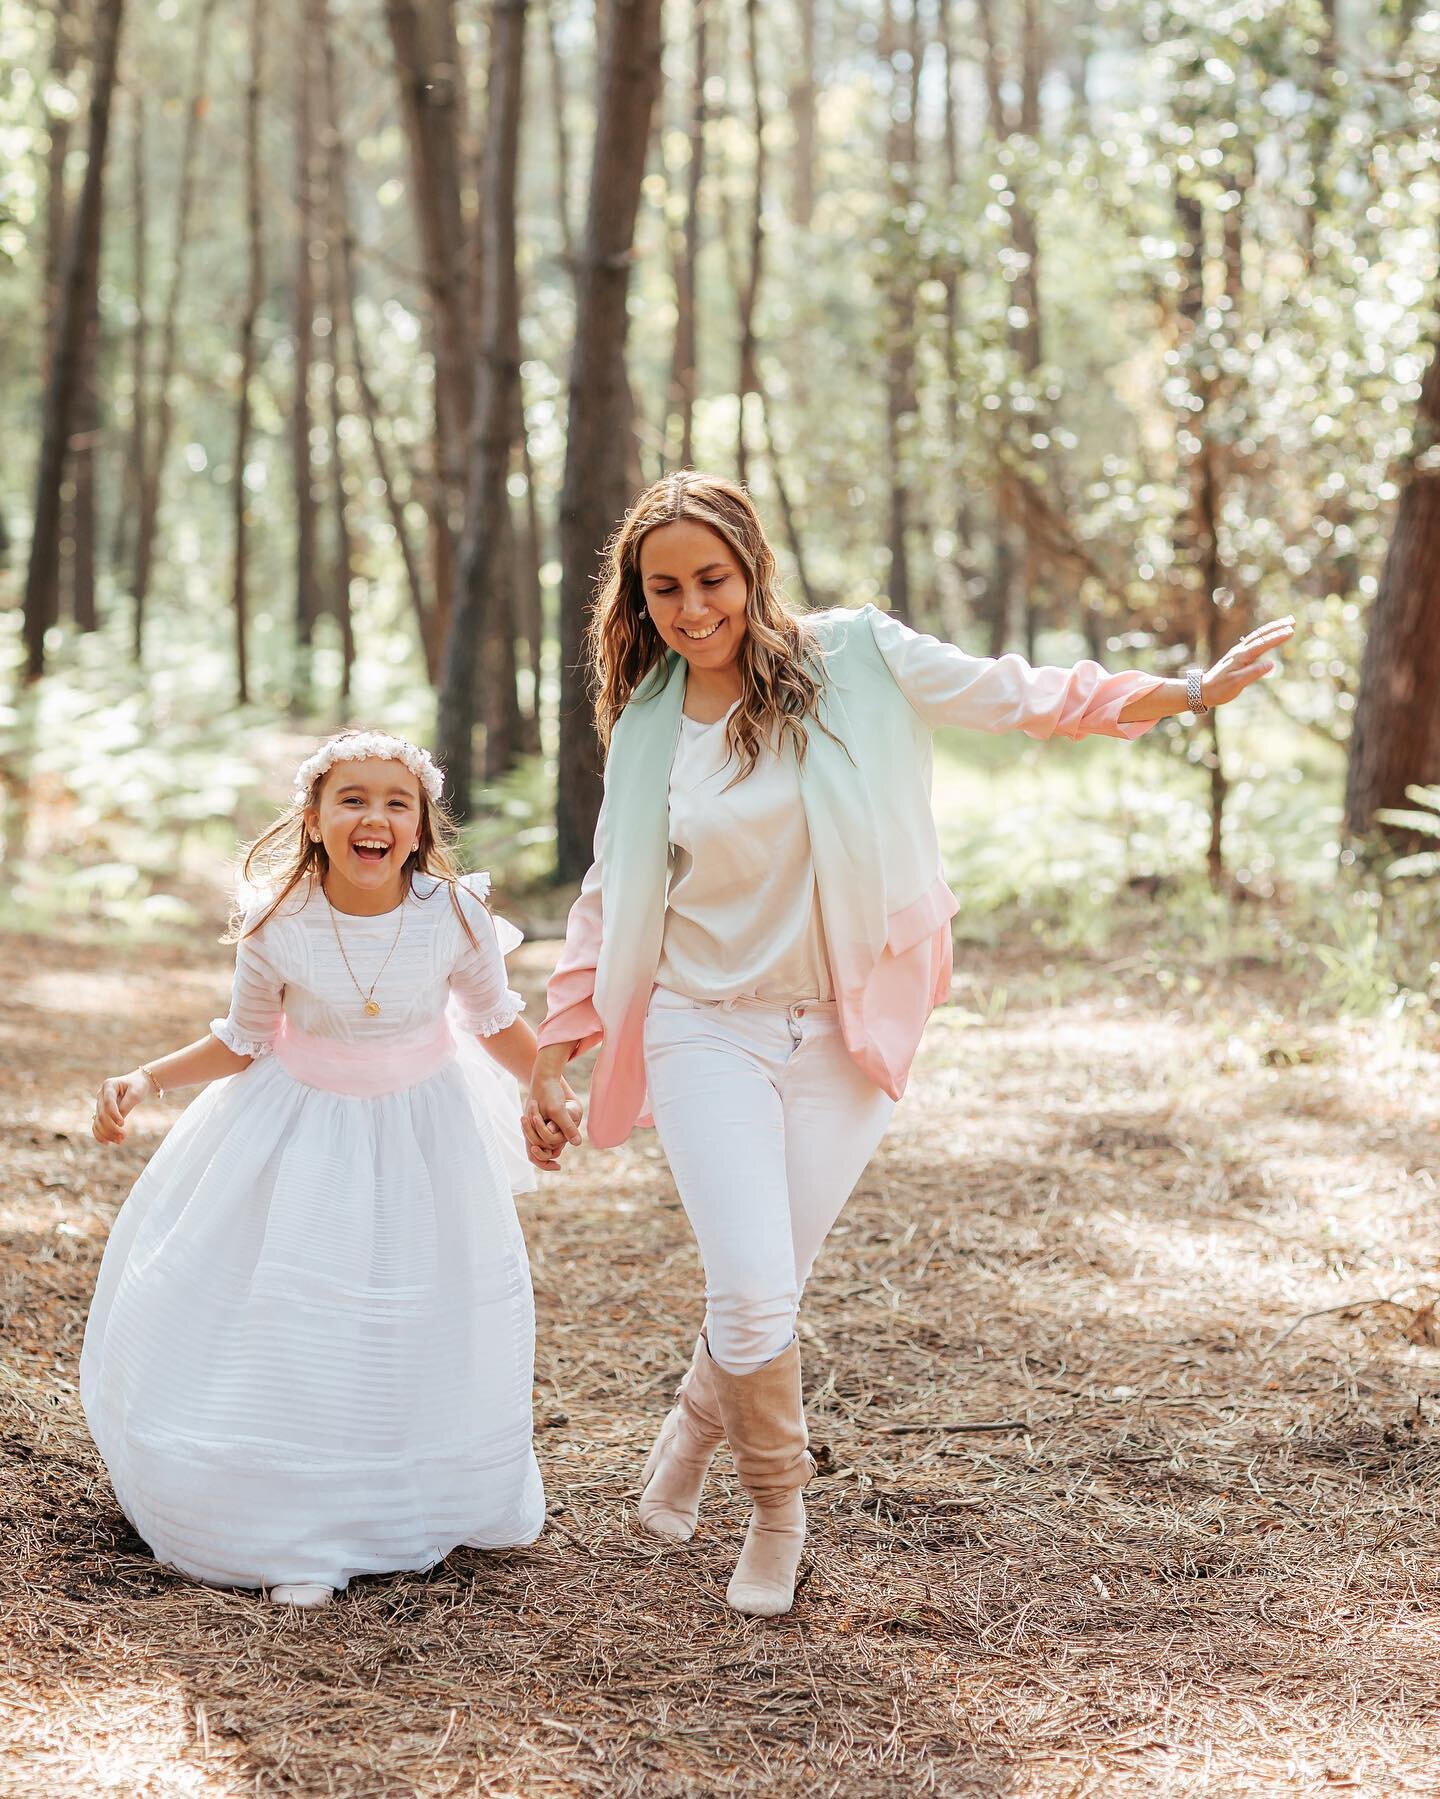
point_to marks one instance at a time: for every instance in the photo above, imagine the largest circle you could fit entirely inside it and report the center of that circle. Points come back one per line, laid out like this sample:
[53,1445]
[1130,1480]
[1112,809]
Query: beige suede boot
[675,1472]
[764,1417]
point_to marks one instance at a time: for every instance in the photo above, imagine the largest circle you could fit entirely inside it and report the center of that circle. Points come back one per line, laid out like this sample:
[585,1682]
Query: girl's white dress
[310,1352]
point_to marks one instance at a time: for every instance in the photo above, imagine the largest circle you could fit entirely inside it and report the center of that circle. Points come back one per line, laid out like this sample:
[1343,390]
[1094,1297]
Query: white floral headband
[361,746]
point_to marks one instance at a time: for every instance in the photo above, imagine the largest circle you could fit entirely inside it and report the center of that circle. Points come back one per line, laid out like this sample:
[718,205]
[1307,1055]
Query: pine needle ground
[1123,1379]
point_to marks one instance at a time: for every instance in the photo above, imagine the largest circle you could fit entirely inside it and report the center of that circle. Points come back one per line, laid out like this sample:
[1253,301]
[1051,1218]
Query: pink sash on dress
[364,1070]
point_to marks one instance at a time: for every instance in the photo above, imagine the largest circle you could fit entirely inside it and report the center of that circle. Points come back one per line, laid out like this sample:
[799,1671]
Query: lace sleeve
[255,1001]
[484,1001]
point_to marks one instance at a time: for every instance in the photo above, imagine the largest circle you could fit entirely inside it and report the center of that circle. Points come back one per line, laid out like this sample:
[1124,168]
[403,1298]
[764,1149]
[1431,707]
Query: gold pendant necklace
[367,997]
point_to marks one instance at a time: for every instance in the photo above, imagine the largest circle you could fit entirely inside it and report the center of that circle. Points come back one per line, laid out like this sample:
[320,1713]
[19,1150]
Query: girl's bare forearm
[514,1049]
[207,1060]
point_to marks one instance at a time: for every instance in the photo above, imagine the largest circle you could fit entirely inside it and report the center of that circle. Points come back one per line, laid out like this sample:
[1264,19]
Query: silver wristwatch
[1195,691]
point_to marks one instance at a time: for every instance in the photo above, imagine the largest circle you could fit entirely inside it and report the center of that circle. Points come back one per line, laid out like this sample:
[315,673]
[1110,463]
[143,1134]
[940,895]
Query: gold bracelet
[153,1078]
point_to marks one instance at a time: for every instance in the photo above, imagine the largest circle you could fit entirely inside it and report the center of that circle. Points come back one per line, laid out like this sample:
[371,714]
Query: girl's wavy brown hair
[780,679]
[284,857]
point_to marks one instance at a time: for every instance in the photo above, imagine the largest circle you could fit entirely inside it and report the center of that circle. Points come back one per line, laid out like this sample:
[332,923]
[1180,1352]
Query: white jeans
[767,1124]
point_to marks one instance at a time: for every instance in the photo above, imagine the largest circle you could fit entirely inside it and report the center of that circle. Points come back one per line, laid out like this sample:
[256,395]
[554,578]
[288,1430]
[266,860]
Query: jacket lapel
[634,840]
[845,846]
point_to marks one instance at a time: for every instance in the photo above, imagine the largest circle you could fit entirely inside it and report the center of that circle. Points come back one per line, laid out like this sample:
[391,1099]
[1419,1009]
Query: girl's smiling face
[696,593]
[368,817]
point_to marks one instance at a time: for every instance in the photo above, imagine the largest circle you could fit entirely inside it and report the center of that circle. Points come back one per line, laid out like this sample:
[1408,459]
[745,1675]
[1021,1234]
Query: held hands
[551,1118]
[116,1100]
[1246,662]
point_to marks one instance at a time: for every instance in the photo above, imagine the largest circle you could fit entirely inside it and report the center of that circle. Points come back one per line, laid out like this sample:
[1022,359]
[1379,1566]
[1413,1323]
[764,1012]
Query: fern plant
[1424,820]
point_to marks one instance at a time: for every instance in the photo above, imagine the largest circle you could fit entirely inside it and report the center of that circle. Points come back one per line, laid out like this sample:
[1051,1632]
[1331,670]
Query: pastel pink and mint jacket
[884,900]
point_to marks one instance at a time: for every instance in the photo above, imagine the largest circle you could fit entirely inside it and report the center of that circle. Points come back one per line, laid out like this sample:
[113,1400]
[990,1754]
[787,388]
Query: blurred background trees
[1065,326]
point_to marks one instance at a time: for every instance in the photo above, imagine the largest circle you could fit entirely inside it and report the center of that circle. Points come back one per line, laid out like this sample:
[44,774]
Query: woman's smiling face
[696,592]
[368,817]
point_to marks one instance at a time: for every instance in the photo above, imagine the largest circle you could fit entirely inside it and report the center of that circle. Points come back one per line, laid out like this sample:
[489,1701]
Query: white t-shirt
[742,918]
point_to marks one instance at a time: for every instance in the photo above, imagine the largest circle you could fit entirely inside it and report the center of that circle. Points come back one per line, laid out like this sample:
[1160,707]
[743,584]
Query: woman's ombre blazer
[883,897]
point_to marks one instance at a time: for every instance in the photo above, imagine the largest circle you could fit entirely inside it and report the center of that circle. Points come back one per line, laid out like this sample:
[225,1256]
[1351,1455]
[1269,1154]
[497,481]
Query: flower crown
[361,746]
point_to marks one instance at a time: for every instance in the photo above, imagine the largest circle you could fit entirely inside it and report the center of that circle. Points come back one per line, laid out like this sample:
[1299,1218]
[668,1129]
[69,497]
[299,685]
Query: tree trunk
[802,112]
[83,446]
[62,63]
[487,509]
[562,136]
[529,555]
[132,480]
[255,290]
[78,281]
[899,302]
[341,602]
[1397,709]
[1025,331]
[499,696]
[149,520]
[426,622]
[683,367]
[422,33]
[749,289]
[343,579]
[782,494]
[593,493]
[950,277]
[307,595]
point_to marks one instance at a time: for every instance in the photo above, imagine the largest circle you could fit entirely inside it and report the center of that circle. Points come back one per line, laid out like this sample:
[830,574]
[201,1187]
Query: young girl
[310,1350]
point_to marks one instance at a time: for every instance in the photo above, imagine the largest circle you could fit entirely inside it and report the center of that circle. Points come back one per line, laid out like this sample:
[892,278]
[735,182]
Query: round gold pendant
[372,1008]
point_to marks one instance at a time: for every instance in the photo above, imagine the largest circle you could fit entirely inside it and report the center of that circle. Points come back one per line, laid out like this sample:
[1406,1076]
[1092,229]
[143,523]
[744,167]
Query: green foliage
[1424,820]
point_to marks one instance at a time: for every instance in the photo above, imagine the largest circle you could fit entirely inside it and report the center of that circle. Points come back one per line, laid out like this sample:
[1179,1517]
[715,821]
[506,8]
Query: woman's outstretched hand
[116,1100]
[551,1118]
[1246,662]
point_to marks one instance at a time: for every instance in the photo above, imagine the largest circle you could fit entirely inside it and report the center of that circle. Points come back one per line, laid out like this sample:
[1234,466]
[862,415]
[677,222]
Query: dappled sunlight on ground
[1102,1506]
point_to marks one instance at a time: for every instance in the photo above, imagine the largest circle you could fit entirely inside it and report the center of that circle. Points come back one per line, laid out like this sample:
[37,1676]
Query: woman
[763,933]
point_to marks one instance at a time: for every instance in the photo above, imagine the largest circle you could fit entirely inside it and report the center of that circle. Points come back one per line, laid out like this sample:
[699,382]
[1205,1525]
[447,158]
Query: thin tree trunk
[683,368]
[495,411]
[82,257]
[84,444]
[426,622]
[132,481]
[749,292]
[149,519]
[331,163]
[422,33]
[802,112]
[529,555]
[899,304]
[1025,333]
[343,583]
[1396,741]
[307,598]
[782,494]
[950,278]
[593,494]
[499,695]
[562,136]
[62,63]
[255,290]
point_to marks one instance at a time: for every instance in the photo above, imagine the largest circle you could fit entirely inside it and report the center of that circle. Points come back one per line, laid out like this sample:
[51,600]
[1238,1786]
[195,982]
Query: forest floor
[1114,1497]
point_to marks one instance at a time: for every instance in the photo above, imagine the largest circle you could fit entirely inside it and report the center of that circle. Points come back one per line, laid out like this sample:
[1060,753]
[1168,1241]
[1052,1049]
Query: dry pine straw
[1168,1563]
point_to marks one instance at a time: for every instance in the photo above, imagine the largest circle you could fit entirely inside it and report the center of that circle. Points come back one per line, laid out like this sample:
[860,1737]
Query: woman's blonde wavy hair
[780,678]
[284,856]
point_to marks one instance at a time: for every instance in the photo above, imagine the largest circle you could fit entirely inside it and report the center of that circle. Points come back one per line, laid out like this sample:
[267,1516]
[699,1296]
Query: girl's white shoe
[302,1594]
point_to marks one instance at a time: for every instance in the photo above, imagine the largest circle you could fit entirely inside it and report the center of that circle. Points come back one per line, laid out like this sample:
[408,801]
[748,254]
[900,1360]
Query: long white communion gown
[311,1347]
